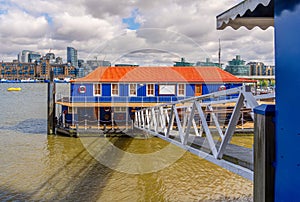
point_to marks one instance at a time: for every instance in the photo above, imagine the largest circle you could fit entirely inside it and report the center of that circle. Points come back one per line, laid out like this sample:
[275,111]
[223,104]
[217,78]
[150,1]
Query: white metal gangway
[187,119]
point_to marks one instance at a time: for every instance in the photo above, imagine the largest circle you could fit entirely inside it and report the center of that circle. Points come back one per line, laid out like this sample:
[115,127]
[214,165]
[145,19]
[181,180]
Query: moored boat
[14,89]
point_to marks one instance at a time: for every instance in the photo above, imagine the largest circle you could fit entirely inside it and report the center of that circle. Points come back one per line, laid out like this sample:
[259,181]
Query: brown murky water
[37,167]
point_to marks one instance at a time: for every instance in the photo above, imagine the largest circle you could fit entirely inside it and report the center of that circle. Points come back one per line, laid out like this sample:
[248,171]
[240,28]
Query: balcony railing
[138,99]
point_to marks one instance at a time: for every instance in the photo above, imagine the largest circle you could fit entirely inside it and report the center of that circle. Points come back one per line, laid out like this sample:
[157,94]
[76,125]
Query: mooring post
[51,105]
[264,153]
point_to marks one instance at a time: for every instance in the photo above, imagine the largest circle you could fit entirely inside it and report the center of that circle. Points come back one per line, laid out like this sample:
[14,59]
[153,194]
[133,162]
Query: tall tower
[219,54]
[72,56]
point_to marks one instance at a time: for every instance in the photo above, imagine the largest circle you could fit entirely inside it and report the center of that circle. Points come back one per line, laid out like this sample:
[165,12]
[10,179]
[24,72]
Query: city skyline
[159,32]
[64,60]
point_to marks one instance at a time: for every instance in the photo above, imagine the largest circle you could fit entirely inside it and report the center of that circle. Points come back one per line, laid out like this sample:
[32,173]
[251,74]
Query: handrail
[162,118]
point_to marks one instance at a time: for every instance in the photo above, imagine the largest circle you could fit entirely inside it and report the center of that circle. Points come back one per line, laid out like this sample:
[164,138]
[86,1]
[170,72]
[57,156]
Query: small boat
[14,89]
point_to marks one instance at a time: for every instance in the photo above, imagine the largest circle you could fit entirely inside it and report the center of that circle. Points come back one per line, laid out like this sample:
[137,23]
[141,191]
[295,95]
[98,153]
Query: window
[165,89]
[150,89]
[114,89]
[119,109]
[132,89]
[97,89]
[72,110]
[181,89]
[198,89]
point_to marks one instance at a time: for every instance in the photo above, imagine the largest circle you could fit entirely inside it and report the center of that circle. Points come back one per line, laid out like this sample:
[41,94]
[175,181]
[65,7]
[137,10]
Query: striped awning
[249,13]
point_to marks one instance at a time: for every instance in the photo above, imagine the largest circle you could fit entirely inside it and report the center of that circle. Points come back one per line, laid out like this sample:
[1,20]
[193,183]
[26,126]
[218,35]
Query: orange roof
[161,75]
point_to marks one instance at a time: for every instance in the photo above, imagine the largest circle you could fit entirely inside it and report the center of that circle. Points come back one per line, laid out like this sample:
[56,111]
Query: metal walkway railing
[207,114]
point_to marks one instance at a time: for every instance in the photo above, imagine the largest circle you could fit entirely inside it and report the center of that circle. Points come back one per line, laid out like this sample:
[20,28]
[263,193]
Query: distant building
[60,71]
[28,56]
[208,63]
[80,63]
[72,56]
[58,60]
[93,64]
[183,63]
[270,70]
[50,57]
[238,67]
[17,70]
[259,69]
[81,72]
[89,66]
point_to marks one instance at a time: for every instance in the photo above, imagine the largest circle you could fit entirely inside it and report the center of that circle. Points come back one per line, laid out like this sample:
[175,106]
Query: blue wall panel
[287,137]
[75,89]
[190,90]
[106,89]
[125,91]
[141,90]
[89,90]
[156,87]
[210,88]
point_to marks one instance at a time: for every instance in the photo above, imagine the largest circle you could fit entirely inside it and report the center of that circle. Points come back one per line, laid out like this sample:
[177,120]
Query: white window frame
[167,89]
[150,95]
[184,89]
[112,89]
[95,89]
[130,89]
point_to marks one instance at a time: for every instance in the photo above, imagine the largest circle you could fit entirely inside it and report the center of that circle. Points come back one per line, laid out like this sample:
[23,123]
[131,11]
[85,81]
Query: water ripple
[29,126]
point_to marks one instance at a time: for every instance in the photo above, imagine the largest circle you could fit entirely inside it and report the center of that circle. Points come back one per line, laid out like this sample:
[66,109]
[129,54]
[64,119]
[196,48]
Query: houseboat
[108,97]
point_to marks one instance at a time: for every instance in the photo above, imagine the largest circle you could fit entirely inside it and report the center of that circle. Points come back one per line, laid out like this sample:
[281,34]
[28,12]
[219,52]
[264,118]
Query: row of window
[150,89]
[15,72]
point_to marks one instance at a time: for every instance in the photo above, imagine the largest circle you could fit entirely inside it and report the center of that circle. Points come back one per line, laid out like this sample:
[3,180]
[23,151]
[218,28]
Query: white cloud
[20,24]
[82,28]
[94,27]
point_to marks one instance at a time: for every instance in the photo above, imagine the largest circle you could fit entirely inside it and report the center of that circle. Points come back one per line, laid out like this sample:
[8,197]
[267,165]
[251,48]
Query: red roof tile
[161,74]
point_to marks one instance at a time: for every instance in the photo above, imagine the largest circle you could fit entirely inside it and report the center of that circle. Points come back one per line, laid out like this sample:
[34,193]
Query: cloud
[97,28]
[82,28]
[16,23]
[105,8]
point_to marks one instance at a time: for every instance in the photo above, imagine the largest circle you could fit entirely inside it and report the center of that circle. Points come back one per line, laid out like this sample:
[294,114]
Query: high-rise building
[72,56]
[80,63]
[29,56]
[238,67]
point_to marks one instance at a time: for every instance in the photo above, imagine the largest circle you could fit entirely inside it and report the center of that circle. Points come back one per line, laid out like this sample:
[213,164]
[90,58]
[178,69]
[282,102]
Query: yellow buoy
[14,89]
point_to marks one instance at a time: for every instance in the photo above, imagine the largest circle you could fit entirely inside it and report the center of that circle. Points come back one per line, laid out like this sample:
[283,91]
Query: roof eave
[249,13]
[249,23]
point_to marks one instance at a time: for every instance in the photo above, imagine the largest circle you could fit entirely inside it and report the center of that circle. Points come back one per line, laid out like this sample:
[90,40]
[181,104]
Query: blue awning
[249,13]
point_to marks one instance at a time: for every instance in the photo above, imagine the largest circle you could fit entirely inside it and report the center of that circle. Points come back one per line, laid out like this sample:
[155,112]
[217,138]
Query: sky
[144,32]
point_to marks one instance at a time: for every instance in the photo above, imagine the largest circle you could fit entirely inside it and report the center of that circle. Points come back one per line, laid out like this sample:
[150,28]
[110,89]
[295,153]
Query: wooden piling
[51,121]
[264,153]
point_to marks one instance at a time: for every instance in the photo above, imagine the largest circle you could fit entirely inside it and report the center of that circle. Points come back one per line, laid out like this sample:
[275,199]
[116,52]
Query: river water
[37,167]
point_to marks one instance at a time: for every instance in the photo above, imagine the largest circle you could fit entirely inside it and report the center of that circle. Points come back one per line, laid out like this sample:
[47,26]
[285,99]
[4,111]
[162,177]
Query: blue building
[112,94]
[72,56]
